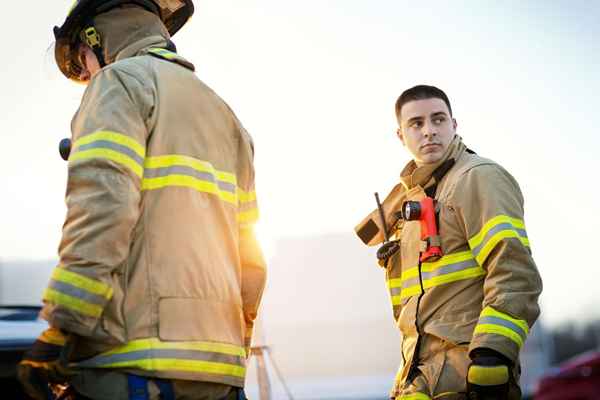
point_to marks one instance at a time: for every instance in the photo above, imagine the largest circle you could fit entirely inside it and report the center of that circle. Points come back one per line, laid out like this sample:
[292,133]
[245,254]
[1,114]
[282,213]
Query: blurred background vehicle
[575,379]
[21,285]
[19,327]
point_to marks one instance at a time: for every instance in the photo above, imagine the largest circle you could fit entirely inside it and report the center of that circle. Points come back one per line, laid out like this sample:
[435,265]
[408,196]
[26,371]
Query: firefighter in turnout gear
[463,316]
[160,275]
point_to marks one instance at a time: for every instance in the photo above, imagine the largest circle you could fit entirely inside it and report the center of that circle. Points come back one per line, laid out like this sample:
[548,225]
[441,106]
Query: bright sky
[315,83]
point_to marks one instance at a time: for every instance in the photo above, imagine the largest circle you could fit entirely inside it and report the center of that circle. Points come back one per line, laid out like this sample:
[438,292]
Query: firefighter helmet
[79,27]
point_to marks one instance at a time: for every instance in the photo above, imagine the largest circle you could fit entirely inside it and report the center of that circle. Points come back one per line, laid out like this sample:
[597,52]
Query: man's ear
[400,136]
[454,123]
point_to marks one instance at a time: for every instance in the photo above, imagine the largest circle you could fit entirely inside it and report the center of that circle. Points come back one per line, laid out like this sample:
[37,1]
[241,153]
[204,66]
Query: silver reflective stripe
[505,323]
[155,354]
[188,171]
[395,291]
[105,144]
[505,226]
[73,291]
[411,282]
[447,269]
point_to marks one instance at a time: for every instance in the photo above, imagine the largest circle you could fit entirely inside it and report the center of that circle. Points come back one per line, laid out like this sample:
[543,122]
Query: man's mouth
[430,147]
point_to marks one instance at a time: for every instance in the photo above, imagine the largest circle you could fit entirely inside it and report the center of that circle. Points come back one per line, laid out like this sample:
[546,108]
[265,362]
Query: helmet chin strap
[90,36]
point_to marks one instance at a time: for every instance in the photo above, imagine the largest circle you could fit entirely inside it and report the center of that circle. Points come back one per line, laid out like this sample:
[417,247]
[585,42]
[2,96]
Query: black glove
[489,375]
[41,365]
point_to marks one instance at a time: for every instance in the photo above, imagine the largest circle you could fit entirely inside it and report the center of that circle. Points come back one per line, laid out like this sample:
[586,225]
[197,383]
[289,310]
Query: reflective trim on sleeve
[487,375]
[77,292]
[496,229]
[414,396]
[450,268]
[247,207]
[248,217]
[112,146]
[156,355]
[185,171]
[495,322]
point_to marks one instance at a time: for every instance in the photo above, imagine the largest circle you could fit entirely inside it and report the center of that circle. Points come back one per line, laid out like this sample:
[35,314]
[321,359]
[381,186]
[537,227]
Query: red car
[576,379]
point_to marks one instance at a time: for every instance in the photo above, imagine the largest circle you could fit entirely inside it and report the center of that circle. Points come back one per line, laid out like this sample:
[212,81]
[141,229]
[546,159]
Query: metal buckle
[91,37]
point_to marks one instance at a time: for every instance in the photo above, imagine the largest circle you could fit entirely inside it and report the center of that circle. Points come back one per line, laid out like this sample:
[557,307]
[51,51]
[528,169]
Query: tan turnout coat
[159,273]
[483,292]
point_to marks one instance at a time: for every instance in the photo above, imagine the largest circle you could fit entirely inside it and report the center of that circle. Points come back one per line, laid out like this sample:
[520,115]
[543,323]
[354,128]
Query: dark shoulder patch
[368,231]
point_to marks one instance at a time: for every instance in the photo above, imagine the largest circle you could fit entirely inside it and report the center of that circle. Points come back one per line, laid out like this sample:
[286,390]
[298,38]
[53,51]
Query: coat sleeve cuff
[500,332]
[78,301]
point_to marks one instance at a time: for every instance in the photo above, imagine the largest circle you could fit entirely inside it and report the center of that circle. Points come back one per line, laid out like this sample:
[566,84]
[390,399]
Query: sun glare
[266,237]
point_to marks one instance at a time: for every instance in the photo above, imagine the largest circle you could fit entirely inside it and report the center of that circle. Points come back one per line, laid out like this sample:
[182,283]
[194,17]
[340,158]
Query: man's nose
[430,130]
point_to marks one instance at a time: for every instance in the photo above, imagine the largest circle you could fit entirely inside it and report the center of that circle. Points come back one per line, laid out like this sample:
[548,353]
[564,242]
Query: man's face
[426,129]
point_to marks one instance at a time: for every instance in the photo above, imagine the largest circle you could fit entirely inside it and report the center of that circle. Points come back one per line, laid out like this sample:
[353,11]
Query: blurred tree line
[572,339]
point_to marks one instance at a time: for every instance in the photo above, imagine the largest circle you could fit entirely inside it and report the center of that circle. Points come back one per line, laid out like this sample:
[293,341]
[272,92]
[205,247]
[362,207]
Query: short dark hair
[421,92]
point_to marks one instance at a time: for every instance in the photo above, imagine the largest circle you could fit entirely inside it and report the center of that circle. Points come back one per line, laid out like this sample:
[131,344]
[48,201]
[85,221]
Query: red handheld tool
[424,211]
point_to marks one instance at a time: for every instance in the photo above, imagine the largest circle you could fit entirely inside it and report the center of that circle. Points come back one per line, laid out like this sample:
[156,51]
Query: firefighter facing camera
[160,274]
[462,281]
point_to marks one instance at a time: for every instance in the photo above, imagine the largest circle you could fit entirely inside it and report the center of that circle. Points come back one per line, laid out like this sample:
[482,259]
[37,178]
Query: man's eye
[416,124]
[439,120]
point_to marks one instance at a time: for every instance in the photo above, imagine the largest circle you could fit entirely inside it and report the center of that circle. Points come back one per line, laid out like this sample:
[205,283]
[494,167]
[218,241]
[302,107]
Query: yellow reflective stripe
[154,355]
[114,137]
[414,396]
[488,375]
[396,300]
[177,364]
[499,219]
[246,197]
[144,344]
[110,155]
[493,241]
[410,291]
[53,336]
[247,217]
[450,268]
[406,292]
[83,282]
[163,53]
[394,283]
[453,277]
[499,330]
[187,181]
[73,303]
[410,273]
[447,260]
[193,182]
[198,165]
[505,227]
[406,274]
[492,321]
[491,312]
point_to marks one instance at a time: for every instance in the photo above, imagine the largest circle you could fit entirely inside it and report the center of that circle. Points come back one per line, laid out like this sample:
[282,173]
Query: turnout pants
[114,385]
[441,373]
